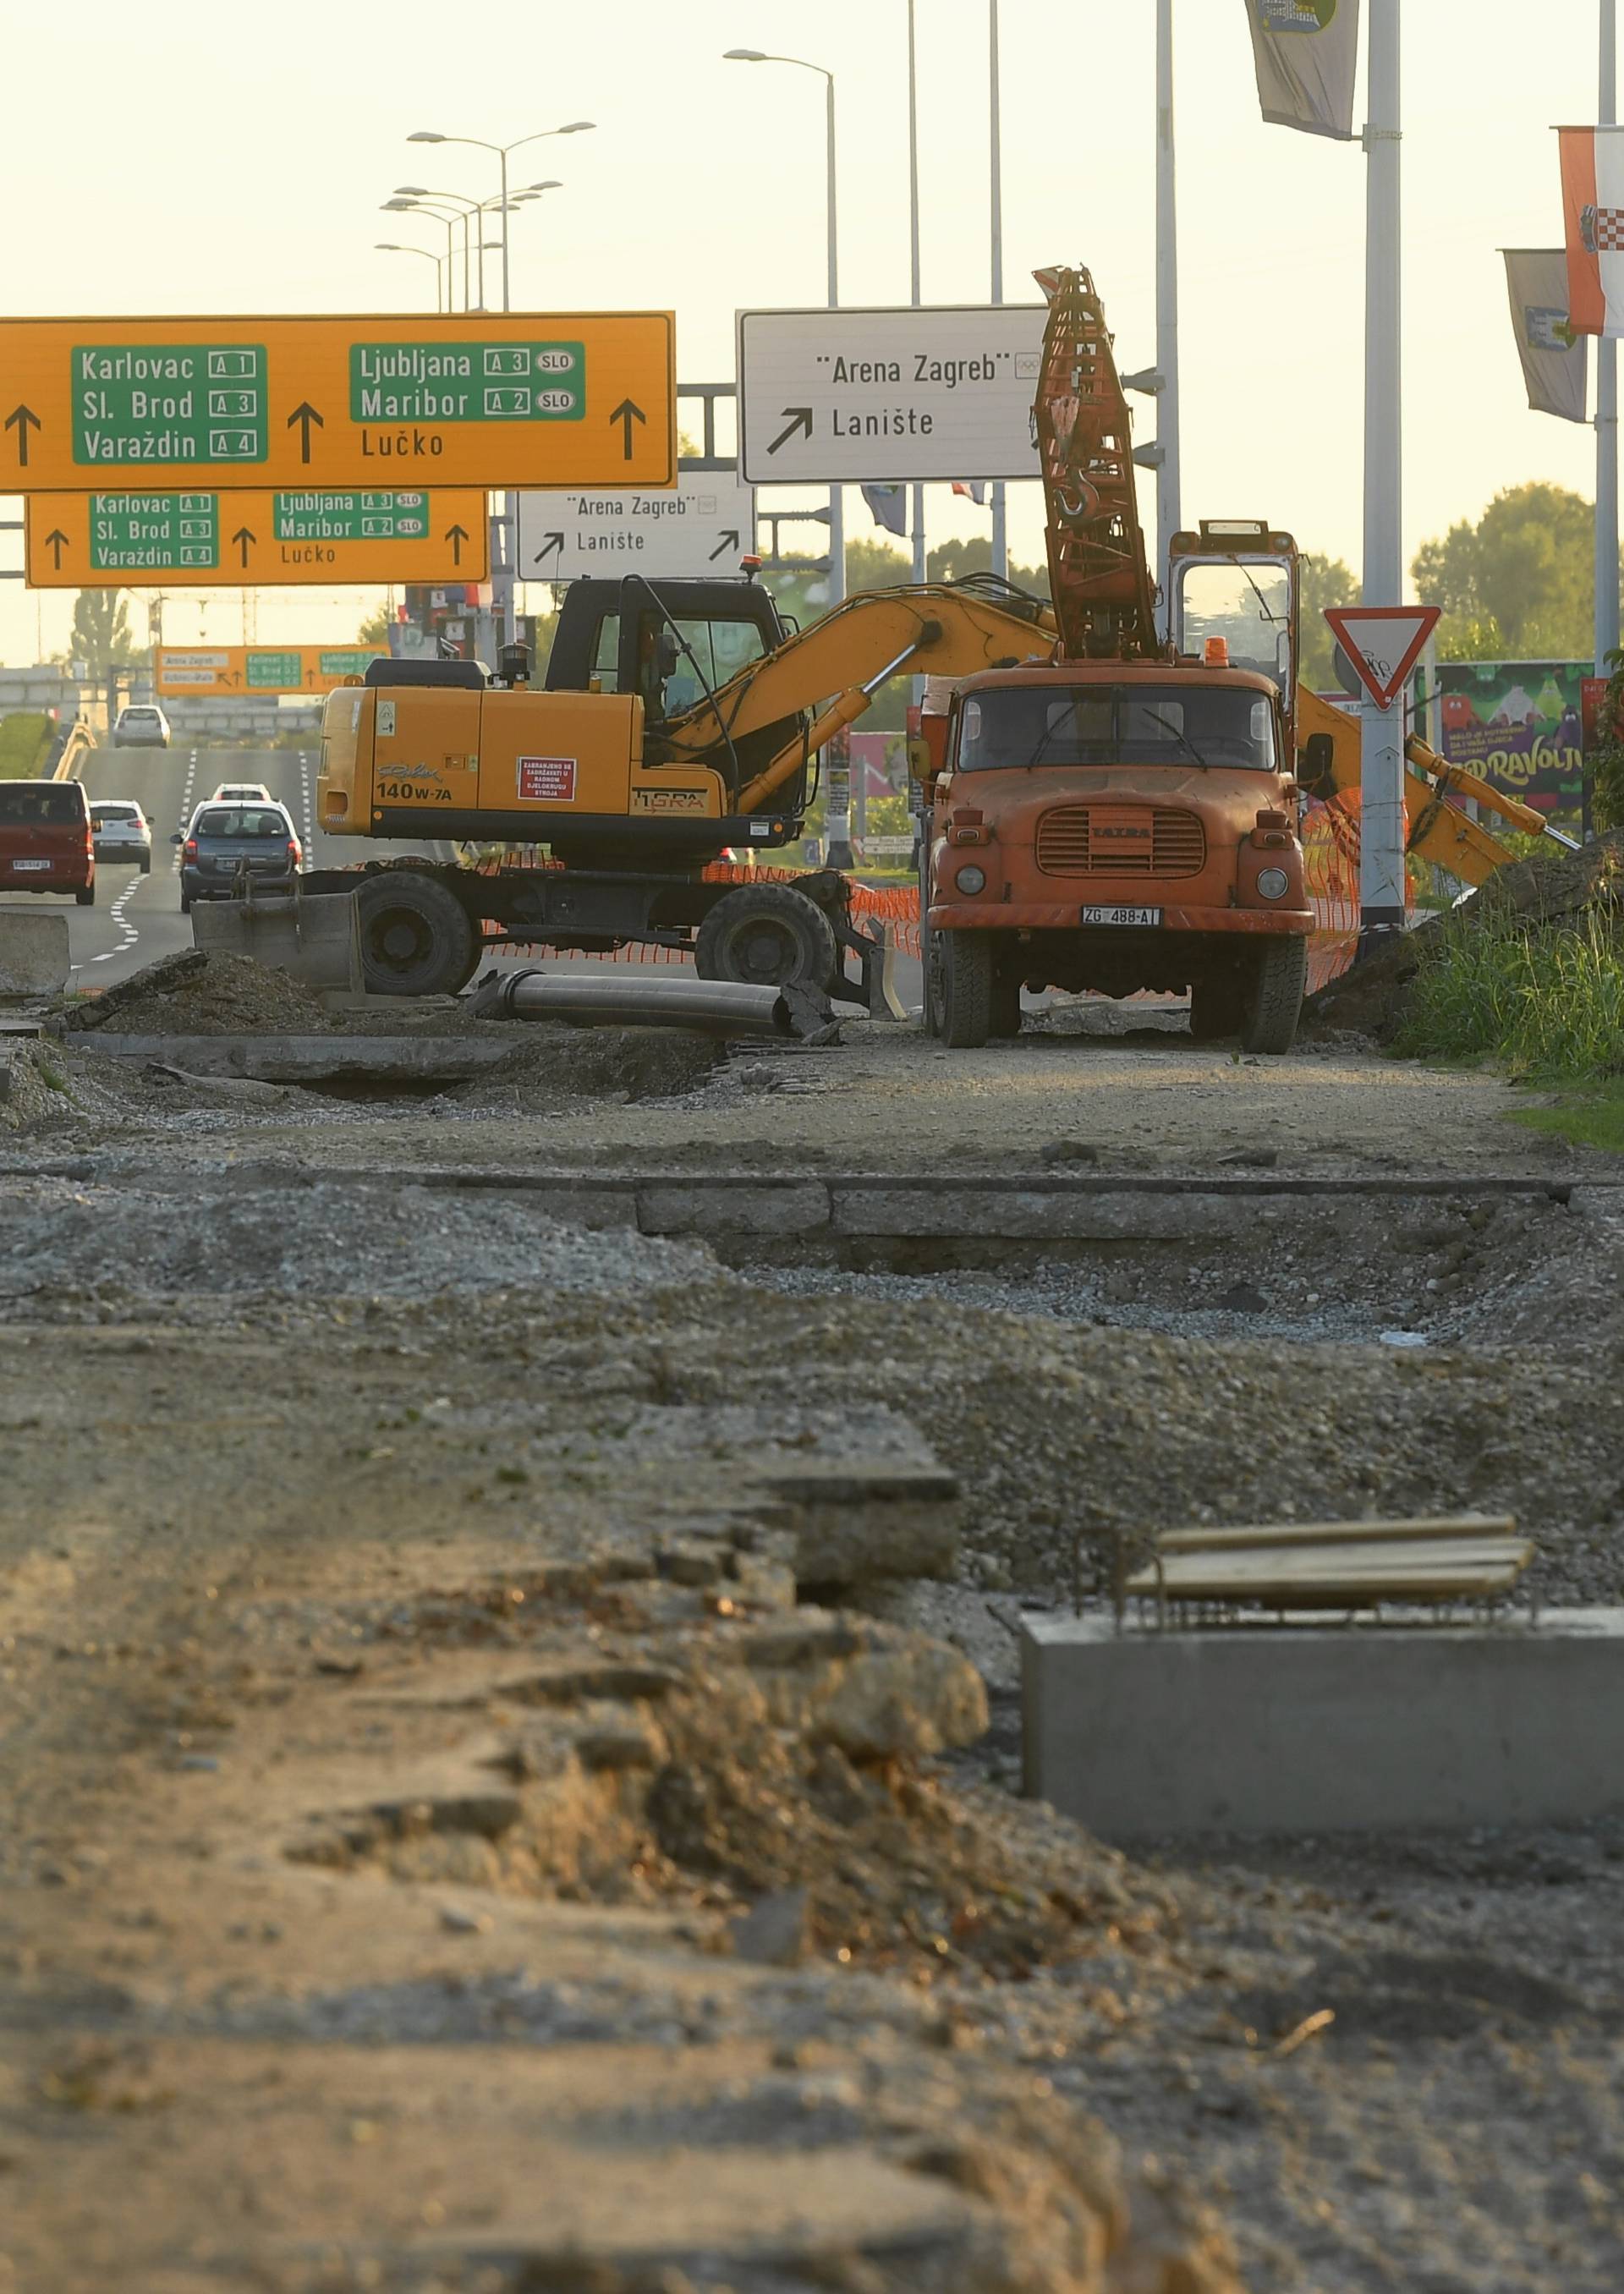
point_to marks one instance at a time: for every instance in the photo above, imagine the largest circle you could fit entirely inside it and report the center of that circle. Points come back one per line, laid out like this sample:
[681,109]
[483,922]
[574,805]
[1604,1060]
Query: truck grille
[1120,840]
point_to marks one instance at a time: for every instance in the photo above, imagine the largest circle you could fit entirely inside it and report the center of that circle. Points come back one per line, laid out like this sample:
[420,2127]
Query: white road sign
[704,527]
[1383,643]
[852,394]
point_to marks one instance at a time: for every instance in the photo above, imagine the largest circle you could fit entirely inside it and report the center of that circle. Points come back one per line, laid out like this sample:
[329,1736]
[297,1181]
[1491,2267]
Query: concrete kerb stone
[800,1207]
[1045,1214]
[1324,1728]
[35,958]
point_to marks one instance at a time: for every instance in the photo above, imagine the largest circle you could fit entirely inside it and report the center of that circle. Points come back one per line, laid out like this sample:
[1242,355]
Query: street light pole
[1607,397]
[1381,822]
[914,278]
[1168,498]
[1000,534]
[391,247]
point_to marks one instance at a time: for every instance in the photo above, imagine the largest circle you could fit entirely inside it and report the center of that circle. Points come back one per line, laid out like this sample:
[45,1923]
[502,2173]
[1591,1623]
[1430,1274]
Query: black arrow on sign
[56,541]
[242,537]
[731,536]
[456,535]
[305,414]
[800,419]
[18,419]
[553,547]
[627,413]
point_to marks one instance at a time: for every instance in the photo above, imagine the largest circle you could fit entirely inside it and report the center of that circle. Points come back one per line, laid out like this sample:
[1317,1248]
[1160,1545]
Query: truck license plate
[30,864]
[1121,916]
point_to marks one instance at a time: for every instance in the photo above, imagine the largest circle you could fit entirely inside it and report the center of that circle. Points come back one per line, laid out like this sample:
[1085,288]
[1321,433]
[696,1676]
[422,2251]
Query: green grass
[1546,1004]
[1590,1119]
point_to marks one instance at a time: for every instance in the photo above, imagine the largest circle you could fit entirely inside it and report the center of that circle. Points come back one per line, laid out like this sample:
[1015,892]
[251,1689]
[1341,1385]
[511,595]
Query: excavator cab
[1237,583]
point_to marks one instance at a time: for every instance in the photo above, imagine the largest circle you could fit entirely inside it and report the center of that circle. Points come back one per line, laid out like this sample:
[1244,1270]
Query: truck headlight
[1273,883]
[971,879]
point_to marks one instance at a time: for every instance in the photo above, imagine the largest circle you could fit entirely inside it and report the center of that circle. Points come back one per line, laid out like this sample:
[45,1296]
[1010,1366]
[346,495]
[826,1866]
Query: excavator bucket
[314,938]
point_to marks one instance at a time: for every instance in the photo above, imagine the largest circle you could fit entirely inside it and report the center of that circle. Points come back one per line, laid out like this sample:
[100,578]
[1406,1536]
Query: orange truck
[1122,814]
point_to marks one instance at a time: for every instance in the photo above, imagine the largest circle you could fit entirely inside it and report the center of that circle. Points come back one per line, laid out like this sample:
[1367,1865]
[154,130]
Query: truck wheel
[1273,1001]
[765,936]
[416,939]
[963,962]
[87,898]
[1216,1007]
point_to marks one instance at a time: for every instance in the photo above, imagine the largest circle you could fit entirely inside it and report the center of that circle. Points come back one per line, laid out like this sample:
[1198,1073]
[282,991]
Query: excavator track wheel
[767,936]
[1274,993]
[416,937]
[964,978]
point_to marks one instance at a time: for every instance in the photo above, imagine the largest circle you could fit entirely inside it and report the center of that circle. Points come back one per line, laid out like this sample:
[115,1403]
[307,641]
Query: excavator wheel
[1273,1000]
[964,985]
[1216,1007]
[767,936]
[415,938]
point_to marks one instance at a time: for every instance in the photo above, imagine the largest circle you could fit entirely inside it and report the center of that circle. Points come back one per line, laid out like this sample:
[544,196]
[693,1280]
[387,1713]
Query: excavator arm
[1438,830]
[947,629]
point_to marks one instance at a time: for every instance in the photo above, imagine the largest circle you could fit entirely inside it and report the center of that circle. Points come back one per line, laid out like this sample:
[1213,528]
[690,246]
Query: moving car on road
[242,792]
[223,838]
[142,725]
[119,831]
[45,844]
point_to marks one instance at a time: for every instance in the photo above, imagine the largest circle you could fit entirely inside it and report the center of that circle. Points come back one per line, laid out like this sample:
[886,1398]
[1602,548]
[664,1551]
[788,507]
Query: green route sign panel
[467,382]
[181,402]
[161,532]
[350,516]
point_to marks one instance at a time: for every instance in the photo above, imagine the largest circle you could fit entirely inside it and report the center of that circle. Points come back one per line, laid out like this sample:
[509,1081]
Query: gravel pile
[59,1236]
[199,993]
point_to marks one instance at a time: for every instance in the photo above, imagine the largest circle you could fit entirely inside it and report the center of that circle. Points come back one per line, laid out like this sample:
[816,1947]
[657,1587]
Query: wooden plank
[1335,1533]
[1425,1569]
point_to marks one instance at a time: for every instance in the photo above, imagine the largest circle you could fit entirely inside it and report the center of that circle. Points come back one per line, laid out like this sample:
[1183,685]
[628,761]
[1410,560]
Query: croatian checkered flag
[1592,213]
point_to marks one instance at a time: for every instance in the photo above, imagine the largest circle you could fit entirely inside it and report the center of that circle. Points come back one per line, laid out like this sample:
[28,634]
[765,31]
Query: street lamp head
[396,207]
[424,136]
[550,184]
[412,191]
[577,127]
[744,56]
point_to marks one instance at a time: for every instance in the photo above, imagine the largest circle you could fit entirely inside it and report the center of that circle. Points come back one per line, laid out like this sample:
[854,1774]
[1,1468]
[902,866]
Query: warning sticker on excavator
[548,780]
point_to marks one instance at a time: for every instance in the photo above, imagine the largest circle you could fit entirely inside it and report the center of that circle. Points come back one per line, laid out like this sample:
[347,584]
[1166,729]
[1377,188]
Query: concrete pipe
[713,1007]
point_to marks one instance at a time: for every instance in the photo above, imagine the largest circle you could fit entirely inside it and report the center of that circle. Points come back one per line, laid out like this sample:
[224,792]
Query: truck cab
[1120,825]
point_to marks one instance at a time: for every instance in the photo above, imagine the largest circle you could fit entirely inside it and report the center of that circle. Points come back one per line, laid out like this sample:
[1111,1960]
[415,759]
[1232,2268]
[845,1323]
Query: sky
[164,161]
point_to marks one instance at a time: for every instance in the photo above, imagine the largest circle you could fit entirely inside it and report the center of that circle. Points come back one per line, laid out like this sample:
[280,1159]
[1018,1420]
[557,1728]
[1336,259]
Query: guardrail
[78,745]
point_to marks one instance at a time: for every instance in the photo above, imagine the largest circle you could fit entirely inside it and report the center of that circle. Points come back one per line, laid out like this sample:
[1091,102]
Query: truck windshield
[1116,725]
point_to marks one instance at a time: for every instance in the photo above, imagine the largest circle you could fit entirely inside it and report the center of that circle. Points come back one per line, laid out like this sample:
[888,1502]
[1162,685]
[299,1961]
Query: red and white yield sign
[1383,642]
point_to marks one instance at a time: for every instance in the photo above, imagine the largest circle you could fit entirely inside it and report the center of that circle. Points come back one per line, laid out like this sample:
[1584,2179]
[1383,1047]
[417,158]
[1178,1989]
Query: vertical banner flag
[1556,363]
[888,507]
[1306,52]
[1592,218]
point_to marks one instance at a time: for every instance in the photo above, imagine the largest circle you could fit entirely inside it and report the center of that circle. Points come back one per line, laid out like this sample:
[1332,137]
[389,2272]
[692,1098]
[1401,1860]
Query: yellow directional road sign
[483,399]
[232,669]
[208,540]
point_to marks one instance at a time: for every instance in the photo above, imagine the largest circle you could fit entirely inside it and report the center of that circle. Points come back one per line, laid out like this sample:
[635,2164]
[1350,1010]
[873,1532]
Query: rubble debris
[196,993]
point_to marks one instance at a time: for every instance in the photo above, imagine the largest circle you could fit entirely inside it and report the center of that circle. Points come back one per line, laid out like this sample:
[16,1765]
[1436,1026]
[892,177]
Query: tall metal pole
[1381,883]
[505,596]
[1607,397]
[506,304]
[1168,505]
[837,503]
[914,273]
[1000,530]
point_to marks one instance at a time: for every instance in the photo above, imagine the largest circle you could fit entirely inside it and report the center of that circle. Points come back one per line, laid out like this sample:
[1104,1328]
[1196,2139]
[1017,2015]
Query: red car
[45,842]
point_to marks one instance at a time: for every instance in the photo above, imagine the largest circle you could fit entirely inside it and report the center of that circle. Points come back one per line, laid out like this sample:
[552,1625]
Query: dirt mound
[199,993]
[1554,889]
[632,1064]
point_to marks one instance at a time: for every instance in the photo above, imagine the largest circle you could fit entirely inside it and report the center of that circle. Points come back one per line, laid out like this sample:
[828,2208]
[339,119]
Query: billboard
[1519,724]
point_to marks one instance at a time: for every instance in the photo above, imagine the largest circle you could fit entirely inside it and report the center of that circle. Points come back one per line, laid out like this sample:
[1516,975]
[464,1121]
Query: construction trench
[513,1576]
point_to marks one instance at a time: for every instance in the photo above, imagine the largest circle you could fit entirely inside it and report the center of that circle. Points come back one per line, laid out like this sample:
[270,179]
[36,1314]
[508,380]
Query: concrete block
[674,1208]
[1325,1729]
[857,1525]
[1044,1215]
[34,956]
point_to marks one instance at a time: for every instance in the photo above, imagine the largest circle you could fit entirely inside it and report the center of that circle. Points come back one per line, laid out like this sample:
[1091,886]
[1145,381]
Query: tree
[375,628]
[1326,581]
[101,636]
[1517,585]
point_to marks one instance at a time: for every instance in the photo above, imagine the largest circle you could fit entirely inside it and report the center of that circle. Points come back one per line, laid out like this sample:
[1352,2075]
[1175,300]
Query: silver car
[142,725]
[120,832]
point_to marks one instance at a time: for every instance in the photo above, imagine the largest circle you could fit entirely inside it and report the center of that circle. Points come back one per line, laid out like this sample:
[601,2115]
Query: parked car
[242,792]
[141,724]
[45,844]
[119,831]
[224,837]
